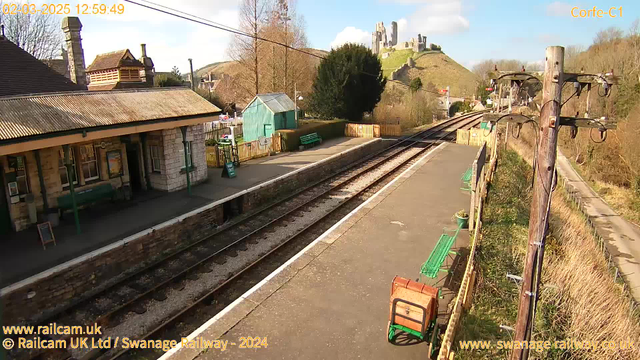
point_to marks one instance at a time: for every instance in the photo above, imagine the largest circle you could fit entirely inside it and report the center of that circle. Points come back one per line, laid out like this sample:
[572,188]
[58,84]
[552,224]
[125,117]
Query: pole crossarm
[609,78]
[605,124]
[513,75]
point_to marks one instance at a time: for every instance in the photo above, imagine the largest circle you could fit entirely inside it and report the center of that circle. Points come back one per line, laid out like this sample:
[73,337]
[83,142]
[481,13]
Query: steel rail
[407,141]
[202,298]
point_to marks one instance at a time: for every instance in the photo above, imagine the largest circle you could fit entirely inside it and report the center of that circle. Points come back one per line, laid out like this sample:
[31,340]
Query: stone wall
[49,158]
[61,287]
[171,176]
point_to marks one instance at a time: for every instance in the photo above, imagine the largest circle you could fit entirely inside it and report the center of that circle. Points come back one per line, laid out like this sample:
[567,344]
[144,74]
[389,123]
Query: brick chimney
[71,27]
[148,72]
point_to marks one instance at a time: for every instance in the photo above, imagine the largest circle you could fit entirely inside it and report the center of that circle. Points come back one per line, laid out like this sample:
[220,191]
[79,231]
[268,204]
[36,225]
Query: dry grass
[590,305]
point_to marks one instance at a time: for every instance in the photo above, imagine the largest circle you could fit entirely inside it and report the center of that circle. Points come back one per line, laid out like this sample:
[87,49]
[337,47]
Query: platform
[331,301]
[23,256]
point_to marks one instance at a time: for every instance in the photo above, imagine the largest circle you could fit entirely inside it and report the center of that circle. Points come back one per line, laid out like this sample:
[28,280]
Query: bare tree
[607,35]
[245,50]
[38,34]
[284,67]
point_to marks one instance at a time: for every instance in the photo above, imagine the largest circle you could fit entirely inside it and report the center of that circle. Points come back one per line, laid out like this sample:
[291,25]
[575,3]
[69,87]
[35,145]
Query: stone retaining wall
[53,290]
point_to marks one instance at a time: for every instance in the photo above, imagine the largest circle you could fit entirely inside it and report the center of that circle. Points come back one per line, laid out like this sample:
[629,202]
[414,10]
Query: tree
[348,84]
[246,50]
[459,106]
[176,72]
[483,93]
[38,34]
[283,67]
[166,80]
[415,84]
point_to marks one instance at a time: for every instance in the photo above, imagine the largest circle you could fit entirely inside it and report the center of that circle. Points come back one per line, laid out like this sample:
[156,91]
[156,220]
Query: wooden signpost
[46,234]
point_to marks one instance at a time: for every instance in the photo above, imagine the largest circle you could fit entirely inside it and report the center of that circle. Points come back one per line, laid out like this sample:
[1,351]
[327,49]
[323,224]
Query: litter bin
[31,207]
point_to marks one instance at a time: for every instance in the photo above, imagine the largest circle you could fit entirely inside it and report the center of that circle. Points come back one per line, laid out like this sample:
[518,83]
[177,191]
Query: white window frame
[189,156]
[95,160]
[155,153]
[25,176]
[73,162]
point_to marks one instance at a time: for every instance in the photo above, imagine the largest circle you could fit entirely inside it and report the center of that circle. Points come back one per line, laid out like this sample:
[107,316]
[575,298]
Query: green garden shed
[266,114]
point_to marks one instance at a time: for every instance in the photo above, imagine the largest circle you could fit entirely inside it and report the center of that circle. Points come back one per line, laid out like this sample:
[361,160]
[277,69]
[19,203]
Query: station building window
[89,162]
[156,157]
[189,156]
[64,174]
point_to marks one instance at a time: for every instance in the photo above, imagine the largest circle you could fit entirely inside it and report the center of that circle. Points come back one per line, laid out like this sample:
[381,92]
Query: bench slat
[439,254]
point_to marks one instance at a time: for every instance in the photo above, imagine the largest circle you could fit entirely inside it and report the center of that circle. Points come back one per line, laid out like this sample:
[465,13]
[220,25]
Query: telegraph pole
[541,201]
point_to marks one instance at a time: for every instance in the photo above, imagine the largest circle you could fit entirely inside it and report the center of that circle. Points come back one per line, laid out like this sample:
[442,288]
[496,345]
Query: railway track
[166,298]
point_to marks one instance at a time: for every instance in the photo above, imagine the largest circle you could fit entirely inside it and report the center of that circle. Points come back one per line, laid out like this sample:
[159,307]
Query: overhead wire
[202,21]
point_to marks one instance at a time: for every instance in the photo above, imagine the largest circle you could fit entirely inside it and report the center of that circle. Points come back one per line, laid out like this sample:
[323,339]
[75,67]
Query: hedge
[327,129]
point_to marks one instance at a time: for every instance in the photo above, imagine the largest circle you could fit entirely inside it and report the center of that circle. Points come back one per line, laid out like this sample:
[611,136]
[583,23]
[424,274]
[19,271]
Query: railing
[246,151]
[464,298]
[372,130]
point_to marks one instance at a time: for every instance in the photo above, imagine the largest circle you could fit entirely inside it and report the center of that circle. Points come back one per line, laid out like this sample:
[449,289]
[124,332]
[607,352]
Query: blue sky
[469,31]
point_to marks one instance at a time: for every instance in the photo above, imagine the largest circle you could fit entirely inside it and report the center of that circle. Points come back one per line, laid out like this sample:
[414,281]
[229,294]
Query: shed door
[268,130]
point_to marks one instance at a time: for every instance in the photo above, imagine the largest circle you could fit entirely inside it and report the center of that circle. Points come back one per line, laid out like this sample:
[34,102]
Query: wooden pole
[541,200]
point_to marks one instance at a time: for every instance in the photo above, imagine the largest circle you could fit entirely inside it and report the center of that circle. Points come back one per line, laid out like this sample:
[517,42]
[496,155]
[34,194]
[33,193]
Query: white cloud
[170,40]
[558,8]
[439,17]
[351,35]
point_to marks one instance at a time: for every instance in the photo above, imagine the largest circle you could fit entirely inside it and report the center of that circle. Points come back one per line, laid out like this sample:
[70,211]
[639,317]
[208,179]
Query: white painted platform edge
[122,243]
[256,287]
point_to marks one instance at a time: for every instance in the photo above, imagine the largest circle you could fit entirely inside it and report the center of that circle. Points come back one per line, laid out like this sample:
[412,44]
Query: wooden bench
[433,265]
[86,196]
[466,180]
[310,139]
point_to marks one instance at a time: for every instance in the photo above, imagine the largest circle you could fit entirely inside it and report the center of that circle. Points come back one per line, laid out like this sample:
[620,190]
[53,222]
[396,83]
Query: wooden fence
[372,130]
[474,137]
[217,132]
[464,298]
[246,151]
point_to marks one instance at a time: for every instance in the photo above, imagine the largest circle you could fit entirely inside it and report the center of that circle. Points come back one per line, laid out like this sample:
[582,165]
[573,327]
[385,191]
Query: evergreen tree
[348,84]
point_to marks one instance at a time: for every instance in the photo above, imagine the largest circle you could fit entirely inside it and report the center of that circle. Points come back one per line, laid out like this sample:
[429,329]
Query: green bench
[310,139]
[86,196]
[466,180]
[433,265]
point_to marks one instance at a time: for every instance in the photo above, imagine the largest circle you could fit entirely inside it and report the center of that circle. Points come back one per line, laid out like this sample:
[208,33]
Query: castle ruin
[380,40]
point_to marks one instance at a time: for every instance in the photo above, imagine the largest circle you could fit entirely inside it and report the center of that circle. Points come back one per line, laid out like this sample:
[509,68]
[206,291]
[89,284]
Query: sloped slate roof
[24,116]
[275,102]
[21,73]
[113,60]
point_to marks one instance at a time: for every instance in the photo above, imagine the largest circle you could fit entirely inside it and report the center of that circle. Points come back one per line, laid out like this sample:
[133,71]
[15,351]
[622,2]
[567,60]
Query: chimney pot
[71,26]
[144,49]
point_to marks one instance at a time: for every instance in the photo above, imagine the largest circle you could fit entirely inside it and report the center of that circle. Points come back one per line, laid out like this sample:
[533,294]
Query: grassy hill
[232,68]
[433,67]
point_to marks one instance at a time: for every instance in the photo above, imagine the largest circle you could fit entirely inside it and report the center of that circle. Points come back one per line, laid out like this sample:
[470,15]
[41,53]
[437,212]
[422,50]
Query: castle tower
[394,34]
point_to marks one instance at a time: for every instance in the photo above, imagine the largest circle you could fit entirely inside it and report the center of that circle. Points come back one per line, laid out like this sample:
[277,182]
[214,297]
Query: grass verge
[579,299]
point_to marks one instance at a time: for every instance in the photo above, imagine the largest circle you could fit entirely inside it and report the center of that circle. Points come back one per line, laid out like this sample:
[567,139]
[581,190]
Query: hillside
[433,67]
[232,68]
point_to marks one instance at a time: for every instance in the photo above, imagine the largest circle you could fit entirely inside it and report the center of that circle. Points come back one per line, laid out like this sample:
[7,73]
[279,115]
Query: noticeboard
[229,170]
[46,234]
[114,163]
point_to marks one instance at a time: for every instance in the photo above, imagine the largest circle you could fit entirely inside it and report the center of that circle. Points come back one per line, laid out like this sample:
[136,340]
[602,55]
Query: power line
[202,21]
[212,24]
